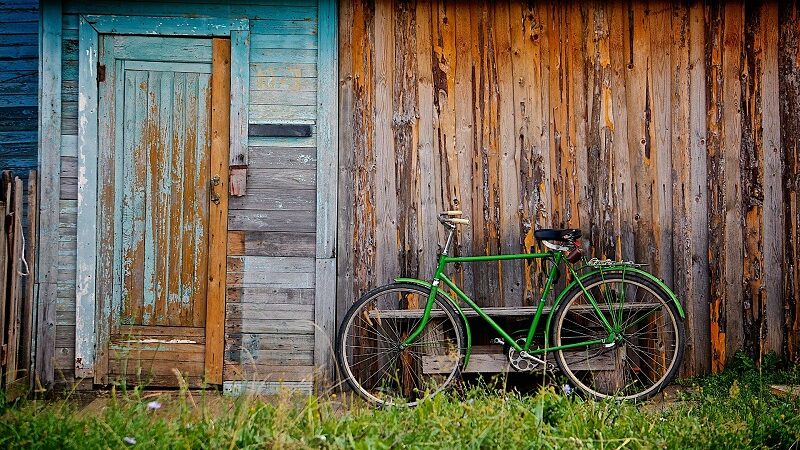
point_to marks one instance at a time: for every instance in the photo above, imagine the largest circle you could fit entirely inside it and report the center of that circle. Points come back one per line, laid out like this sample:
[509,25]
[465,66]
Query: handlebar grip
[452,213]
[459,221]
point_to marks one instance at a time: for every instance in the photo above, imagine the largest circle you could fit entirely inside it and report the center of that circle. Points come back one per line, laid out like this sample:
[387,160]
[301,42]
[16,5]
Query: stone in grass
[783,390]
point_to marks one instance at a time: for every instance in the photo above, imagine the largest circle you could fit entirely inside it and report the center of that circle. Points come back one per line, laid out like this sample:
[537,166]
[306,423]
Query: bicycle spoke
[646,347]
[373,362]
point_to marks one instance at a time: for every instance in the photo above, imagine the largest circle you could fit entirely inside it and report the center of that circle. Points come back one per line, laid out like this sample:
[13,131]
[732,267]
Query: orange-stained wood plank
[752,181]
[202,170]
[236,243]
[218,223]
[716,192]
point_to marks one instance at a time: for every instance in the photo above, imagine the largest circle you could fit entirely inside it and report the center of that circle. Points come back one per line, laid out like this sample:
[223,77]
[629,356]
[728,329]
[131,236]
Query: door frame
[95,253]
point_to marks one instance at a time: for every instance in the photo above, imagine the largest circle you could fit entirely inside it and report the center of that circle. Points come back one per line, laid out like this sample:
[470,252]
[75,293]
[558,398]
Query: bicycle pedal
[498,341]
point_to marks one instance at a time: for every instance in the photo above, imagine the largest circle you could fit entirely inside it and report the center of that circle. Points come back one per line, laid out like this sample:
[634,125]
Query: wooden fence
[16,292]
[668,132]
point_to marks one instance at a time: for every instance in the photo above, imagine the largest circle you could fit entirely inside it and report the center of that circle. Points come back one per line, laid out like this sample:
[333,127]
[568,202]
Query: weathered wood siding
[666,131]
[269,331]
[19,46]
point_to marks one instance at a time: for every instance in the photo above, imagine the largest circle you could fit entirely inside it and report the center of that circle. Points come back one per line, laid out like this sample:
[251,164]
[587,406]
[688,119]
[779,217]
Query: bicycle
[615,330]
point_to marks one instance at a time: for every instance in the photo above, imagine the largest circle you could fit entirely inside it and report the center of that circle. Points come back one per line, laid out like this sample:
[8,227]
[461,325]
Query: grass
[732,410]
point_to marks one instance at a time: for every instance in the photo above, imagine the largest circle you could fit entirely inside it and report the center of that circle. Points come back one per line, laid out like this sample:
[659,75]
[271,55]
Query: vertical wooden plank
[428,183]
[180,127]
[327,180]
[724,204]
[483,158]
[49,183]
[579,58]
[773,335]
[158,125]
[405,129]
[526,40]
[558,132]
[732,145]
[27,340]
[136,195]
[197,261]
[218,223]
[146,125]
[108,198]
[443,67]
[716,189]
[3,275]
[620,195]
[240,101]
[508,196]
[602,119]
[362,199]
[698,187]
[191,124]
[789,46]
[87,202]
[680,144]
[345,243]
[327,137]
[751,160]
[660,137]
[14,284]
[386,229]
[638,99]
[464,143]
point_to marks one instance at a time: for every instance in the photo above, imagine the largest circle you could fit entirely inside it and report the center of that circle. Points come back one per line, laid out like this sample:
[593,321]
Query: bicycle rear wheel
[650,339]
[370,354]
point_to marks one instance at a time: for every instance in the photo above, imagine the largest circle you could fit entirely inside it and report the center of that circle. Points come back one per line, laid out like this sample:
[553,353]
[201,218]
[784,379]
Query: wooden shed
[221,180]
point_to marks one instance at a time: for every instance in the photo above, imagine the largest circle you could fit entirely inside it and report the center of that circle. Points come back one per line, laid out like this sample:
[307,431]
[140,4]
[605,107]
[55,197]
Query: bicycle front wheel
[374,362]
[648,348]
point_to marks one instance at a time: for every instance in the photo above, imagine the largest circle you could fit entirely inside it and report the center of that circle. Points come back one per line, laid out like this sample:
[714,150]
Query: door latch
[214,183]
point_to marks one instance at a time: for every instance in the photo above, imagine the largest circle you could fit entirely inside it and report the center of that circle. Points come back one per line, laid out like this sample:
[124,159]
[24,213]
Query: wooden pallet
[491,359]
[528,311]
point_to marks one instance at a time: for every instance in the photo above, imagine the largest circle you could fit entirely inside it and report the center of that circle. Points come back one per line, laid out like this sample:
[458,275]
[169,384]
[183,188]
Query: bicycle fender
[625,268]
[427,284]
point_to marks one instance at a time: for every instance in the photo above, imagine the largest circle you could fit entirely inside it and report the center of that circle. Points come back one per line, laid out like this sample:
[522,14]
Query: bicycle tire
[619,370]
[381,324]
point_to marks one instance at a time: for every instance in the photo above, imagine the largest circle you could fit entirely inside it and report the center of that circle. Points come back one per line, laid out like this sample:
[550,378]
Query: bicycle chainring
[517,361]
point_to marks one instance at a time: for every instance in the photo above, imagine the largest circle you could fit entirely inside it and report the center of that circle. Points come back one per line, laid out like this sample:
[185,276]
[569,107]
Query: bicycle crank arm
[530,357]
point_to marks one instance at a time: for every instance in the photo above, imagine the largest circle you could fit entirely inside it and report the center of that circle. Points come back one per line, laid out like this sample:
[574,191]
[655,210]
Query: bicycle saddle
[564,235]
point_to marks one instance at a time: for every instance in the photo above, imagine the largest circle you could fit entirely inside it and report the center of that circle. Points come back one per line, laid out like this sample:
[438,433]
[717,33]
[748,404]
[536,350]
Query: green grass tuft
[728,411]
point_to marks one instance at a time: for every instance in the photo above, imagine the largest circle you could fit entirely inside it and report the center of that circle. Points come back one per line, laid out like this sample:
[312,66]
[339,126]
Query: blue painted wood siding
[269,332]
[19,44]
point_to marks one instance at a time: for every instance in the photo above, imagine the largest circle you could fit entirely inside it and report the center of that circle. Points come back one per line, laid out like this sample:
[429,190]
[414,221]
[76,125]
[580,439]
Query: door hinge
[101,73]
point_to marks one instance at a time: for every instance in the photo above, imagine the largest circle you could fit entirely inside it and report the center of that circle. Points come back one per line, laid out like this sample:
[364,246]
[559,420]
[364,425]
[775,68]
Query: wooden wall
[667,132]
[19,46]
[269,328]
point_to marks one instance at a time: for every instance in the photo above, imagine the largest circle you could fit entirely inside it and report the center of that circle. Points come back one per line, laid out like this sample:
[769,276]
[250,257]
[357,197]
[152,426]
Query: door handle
[214,183]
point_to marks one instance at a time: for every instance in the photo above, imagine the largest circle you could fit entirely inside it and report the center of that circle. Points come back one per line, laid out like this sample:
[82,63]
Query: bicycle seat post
[451,231]
[449,219]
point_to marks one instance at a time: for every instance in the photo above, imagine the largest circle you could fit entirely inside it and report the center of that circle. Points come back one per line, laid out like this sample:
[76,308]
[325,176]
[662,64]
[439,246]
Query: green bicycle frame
[557,259]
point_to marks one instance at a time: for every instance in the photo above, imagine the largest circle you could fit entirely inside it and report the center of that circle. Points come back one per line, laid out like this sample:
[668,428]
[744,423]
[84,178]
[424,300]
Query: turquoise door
[155,109]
